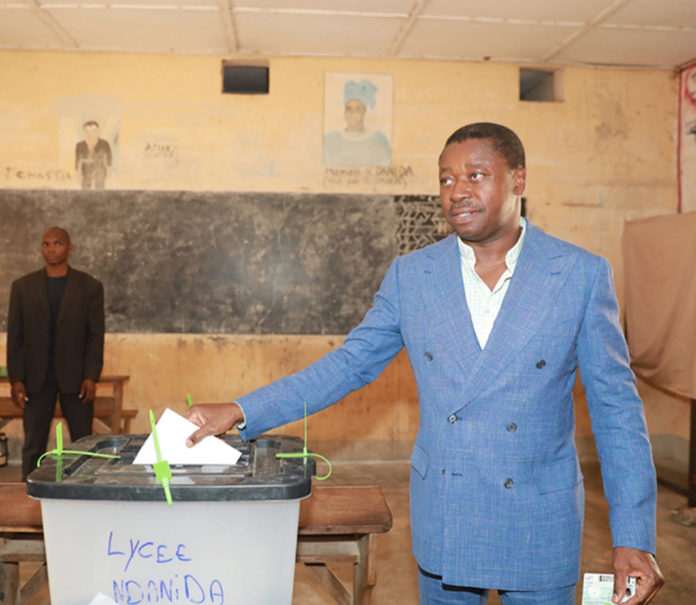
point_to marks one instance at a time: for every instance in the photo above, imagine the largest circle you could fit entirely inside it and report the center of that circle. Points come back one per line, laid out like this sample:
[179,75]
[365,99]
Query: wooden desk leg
[34,585]
[118,406]
[9,583]
[331,583]
[365,575]
[691,483]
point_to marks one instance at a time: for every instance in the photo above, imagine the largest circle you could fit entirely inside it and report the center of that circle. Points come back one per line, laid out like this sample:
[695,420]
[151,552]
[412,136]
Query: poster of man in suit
[89,146]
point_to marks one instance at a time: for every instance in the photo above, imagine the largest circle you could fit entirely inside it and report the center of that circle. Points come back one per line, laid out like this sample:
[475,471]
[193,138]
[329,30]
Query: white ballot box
[229,536]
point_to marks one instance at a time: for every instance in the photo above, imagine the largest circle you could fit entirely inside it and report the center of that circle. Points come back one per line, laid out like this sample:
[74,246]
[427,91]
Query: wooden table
[337,524]
[109,415]
[21,539]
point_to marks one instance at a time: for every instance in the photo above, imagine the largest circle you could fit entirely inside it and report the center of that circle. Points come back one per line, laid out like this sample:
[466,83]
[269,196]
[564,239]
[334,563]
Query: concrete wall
[605,154]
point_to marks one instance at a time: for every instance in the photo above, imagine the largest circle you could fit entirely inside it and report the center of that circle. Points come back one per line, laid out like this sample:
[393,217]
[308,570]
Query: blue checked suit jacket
[496,490]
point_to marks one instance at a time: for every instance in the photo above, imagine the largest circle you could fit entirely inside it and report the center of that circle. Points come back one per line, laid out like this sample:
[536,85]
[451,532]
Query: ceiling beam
[405,29]
[50,21]
[229,25]
[588,26]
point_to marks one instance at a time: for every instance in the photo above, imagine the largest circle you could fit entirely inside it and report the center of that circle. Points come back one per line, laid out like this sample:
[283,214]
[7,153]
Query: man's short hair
[90,123]
[505,141]
[63,231]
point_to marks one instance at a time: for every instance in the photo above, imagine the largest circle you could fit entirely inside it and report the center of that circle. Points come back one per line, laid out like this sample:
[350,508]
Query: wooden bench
[109,415]
[21,540]
[337,524]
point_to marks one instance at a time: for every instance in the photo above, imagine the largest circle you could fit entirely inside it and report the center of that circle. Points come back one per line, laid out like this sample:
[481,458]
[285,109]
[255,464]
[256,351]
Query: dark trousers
[38,414]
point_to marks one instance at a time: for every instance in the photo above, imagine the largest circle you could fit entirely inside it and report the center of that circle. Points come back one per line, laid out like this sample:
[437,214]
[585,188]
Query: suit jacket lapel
[541,270]
[446,292]
[41,292]
[65,303]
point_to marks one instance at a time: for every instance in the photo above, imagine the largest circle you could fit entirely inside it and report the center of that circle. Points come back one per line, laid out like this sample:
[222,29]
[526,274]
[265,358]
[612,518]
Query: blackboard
[211,262]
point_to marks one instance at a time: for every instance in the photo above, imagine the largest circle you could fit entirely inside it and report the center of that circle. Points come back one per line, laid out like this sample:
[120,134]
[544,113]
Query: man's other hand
[88,390]
[19,393]
[640,565]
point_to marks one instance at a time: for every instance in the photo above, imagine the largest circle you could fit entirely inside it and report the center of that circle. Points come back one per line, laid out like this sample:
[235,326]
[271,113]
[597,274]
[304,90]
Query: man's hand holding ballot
[214,419]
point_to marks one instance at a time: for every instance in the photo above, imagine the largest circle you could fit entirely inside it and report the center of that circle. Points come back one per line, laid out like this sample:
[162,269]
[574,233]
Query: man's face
[479,192]
[91,133]
[55,247]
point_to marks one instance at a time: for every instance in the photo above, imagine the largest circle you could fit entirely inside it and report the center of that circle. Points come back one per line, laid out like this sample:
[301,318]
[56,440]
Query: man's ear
[520,181]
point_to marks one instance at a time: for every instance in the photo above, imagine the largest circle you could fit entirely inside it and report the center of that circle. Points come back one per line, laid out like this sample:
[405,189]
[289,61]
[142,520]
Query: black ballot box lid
[257,475]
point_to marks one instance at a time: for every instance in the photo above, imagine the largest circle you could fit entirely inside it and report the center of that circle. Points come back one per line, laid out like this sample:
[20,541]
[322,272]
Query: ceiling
[632,33]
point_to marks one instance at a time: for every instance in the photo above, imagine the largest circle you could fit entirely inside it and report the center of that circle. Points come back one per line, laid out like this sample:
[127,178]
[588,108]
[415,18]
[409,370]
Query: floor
[397,574]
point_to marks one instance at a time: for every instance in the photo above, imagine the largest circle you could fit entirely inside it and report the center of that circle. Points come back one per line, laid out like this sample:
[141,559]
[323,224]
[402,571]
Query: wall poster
[89,148]
[357,119]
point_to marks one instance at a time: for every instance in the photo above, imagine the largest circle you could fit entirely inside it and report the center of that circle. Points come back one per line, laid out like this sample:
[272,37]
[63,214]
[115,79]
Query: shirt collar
[467,252]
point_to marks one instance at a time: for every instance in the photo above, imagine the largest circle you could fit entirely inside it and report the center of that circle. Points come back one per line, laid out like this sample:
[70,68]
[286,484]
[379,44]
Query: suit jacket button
[452,419]
[511,428]
[508,483]
[428,355]
[541,363]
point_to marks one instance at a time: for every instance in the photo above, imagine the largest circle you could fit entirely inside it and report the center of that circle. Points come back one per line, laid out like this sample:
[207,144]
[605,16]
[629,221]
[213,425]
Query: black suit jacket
[79,347]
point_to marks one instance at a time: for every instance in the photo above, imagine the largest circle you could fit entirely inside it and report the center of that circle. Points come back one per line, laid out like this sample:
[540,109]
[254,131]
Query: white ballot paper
[172,431]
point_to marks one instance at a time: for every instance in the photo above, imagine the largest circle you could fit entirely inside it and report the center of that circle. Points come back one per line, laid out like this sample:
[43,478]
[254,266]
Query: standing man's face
[479,192]
[55,247]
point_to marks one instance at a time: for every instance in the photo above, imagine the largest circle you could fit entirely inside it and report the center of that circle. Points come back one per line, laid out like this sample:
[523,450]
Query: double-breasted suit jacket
[79,340]
[496,489]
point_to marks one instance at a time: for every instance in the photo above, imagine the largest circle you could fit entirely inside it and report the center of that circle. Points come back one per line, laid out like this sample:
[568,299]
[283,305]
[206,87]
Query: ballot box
[229,535]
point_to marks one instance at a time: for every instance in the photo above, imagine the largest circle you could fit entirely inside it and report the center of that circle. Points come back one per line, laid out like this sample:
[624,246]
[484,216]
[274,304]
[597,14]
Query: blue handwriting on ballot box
[164,581]
[147,549]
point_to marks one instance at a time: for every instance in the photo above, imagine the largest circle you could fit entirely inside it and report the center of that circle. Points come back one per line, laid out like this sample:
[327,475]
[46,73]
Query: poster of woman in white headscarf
[687,146]
[357,119]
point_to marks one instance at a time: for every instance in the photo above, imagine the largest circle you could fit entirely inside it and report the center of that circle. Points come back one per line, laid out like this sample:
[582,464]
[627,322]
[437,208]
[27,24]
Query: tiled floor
[397,574]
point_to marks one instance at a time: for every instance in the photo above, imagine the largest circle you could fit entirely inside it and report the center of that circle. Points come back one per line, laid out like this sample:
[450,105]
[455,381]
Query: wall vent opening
[540,85]
[244,78]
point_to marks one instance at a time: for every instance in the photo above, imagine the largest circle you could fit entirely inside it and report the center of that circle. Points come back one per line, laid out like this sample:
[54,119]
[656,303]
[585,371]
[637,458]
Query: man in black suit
[55,345]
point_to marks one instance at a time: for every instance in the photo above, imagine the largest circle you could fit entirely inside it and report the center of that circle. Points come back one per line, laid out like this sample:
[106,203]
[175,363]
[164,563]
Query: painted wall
[605,154]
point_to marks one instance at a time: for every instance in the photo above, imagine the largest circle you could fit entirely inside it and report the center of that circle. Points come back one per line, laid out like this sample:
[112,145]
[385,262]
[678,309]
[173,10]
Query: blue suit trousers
[432,591]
